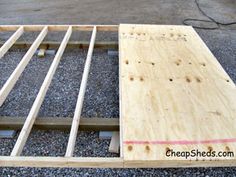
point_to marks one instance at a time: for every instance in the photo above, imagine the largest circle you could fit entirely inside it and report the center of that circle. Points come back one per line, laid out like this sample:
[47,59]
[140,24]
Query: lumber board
[41,52]
[115,142]
[7,87]
[179,163]
[7,45]
[76,162]
[80,100]
[21,140]
[113,28]
[61,123]
[174,94]
[103,162]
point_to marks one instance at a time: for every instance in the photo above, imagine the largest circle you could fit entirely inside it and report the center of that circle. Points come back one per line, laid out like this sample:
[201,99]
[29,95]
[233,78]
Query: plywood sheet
[173,95]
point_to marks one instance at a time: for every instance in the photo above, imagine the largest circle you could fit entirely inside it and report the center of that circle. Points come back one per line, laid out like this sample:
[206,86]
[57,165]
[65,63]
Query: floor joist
[7,87]
[7,45]
[40,97]
[80,100]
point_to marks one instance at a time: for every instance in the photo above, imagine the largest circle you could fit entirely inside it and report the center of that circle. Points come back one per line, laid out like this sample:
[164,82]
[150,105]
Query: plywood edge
[120,98]
[135,25]
[179,163]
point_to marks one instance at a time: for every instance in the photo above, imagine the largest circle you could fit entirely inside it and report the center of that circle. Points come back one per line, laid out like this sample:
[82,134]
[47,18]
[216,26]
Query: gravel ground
[102,93]
[53,143]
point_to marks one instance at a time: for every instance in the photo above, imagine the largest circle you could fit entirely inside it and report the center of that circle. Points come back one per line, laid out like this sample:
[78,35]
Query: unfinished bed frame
[173,95]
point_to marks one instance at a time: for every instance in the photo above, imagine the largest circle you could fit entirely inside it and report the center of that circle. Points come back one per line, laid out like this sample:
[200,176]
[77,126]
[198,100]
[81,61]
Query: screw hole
[170,79]
[147,148]
[130,148]
[209,148]
[188,79]
[198,80]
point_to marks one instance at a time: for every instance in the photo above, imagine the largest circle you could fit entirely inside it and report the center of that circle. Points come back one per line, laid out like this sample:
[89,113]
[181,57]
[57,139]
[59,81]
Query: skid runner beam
[61,123]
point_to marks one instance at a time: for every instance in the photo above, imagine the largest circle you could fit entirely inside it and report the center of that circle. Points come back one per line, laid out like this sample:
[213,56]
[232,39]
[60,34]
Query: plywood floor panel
[174,94]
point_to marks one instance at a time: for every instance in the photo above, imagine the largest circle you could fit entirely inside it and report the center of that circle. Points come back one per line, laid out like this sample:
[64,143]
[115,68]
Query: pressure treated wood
[173,95]
[40,97]
[61,123]
[70,45]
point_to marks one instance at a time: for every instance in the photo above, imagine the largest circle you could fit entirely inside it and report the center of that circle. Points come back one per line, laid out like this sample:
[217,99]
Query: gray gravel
[102,93]
[53,143]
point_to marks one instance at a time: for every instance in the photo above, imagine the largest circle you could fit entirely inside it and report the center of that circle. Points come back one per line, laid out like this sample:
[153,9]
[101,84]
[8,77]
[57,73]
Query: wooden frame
[77,122]
[107,124]
[21,66]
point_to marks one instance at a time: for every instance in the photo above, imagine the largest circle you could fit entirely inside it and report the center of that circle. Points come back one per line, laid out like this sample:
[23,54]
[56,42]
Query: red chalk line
[183,142]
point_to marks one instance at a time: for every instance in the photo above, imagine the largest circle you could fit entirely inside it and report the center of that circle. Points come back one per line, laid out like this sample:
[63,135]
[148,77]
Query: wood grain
[8,86]
[80,100]
[7,45]
[25,131]
[174,95]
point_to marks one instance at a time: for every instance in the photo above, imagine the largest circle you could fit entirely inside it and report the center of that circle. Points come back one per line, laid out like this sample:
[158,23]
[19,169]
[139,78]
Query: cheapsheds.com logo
[197,153]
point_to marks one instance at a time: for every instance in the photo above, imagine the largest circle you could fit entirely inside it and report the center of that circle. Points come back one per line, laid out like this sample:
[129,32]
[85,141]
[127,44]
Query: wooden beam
[80,100]
[179,163]
[40,97]
[21,66]
[115,142]
[59,123]
[106,162]
[76,162]
[71,44]
[7,45]
[60,27]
